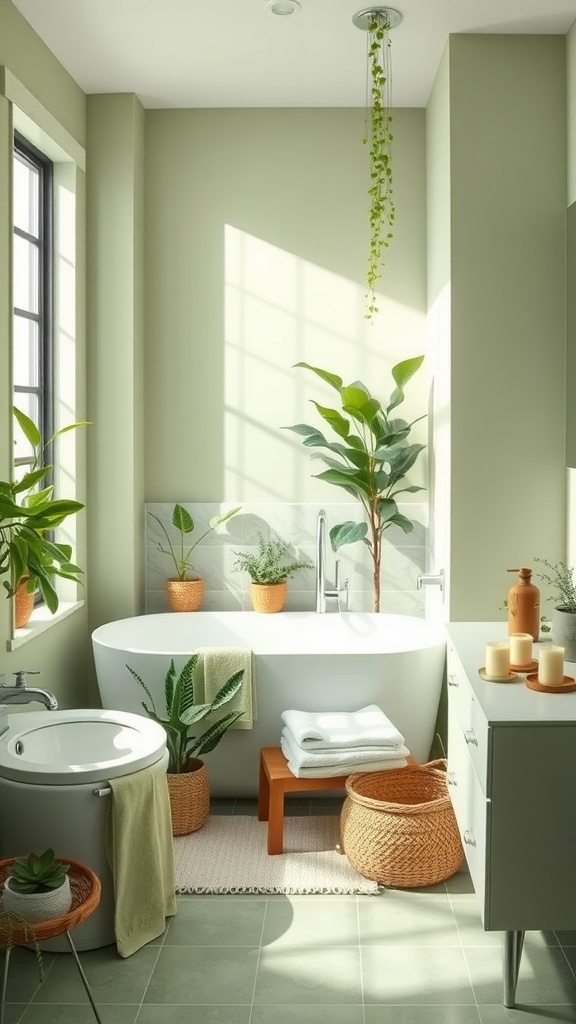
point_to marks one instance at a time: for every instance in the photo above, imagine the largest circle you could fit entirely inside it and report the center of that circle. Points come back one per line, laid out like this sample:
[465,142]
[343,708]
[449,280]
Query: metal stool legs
[80,972]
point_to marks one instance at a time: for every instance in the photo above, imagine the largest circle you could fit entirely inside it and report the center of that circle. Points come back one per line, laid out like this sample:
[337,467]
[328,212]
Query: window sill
[41,621]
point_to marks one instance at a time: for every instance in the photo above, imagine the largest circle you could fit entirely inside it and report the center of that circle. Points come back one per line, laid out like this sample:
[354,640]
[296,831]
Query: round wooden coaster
[567,686]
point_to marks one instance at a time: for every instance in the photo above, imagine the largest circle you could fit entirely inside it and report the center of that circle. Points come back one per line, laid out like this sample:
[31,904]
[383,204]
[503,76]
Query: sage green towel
[214,668]
[140,852]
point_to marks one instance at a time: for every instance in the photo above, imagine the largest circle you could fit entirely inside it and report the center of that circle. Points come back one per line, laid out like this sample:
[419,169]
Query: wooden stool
[276,779]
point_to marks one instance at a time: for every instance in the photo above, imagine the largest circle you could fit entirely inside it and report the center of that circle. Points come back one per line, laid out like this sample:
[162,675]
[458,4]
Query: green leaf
[28,427]
[182,519]
[339,424]
[399,520]
[403,371]
[218,520]
[330,378]
[341,479]
[347,533]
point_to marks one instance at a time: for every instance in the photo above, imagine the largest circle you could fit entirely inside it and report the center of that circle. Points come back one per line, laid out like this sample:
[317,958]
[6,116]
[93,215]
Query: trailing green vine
[379,138]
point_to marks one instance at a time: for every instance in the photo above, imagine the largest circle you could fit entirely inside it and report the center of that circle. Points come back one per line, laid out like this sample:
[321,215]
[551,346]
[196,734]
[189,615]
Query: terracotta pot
[185,595]
[189,798]
[268,597]
[23,604]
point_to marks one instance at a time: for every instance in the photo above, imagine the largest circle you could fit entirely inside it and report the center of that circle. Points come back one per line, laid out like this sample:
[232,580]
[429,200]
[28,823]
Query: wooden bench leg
[263,792]
[276,818]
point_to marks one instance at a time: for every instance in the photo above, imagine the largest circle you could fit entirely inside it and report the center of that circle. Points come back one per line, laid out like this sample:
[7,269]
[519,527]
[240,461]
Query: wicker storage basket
[398,827]
[189,799]
[268,597]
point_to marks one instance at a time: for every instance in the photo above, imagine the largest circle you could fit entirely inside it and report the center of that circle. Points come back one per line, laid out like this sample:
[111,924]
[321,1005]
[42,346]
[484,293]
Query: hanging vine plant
[377,22]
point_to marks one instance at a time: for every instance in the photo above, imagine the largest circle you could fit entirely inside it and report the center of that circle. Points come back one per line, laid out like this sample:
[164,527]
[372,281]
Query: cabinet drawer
[467,712]
[469,803]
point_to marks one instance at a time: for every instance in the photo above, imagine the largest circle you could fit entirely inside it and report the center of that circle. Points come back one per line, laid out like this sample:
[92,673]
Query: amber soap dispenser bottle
[524,605]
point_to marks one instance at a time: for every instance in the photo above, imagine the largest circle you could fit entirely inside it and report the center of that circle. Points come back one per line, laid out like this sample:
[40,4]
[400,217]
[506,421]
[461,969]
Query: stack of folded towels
[320,744]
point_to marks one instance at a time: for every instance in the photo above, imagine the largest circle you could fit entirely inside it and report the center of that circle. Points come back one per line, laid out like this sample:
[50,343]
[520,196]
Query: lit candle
[551,665]
[521,648]
[497,659]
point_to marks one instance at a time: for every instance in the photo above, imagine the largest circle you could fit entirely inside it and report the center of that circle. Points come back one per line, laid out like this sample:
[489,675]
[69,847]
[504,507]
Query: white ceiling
[235,53]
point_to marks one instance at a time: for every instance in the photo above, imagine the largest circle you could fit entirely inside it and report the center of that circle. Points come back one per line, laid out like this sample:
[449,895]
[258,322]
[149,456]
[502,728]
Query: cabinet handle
[451,779]
[470,737]
[452,681]
[469,837]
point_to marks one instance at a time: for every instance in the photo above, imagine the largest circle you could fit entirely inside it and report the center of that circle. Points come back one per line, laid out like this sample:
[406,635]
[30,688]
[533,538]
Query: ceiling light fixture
[389,15]
[283,7]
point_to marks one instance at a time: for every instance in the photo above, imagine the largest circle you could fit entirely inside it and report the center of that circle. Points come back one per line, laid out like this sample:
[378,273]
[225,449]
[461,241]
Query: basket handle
[440,762]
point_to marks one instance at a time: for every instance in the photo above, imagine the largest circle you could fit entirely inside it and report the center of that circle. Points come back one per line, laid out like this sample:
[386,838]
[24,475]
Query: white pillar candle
[551,665]
[520,648]
[497,659]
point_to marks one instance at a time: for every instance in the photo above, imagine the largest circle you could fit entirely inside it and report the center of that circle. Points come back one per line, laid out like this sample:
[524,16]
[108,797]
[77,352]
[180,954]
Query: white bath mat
[229,855]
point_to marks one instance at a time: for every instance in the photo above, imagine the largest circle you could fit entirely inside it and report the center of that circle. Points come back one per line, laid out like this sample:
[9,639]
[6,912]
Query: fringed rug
[228,855]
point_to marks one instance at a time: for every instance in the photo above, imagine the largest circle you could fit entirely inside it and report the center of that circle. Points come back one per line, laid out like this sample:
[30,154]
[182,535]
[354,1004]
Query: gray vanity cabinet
[512,781]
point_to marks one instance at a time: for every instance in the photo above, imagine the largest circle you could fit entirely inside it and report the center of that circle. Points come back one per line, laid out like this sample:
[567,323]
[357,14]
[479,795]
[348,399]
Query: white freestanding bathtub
[302,660]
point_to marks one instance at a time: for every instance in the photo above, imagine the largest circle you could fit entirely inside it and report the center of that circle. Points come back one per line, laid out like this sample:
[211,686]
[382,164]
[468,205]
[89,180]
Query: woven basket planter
[398,827]
[185,595]
[268,597]
[189,799]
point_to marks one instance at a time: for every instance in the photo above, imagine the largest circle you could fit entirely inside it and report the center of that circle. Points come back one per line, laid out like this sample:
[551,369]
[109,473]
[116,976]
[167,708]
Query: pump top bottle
[524,605]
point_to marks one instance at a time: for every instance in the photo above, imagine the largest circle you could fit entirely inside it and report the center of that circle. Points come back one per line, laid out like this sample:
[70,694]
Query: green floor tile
[527,1015]
[311,922]
[76,1013]
[214,922]
[204,975]
[422,1015]
[320,975]
[306,1014]
[418,975]
[23,976]
[157,1014]
[111,978]
[408,919]
[545,976]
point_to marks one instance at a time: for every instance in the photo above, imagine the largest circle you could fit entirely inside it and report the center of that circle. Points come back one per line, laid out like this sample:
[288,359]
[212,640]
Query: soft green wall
[507,303]
[115,128]
[571,112]
[62,654]
[256,250]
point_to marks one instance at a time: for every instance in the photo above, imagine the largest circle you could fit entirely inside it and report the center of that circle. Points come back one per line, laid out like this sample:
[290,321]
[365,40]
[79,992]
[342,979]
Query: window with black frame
[32,296]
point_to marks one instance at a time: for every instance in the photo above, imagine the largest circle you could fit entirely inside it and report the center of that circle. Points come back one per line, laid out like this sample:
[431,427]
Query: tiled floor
[418,957]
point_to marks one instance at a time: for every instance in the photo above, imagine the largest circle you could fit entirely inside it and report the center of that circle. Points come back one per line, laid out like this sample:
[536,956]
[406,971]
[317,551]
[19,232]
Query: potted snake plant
[187,776]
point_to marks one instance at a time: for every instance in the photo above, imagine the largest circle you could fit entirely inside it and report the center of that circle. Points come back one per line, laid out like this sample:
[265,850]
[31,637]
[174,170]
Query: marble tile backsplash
[403,555]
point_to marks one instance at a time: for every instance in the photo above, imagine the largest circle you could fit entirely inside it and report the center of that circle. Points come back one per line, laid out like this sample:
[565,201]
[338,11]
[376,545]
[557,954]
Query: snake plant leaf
[347,533]
[209,739]
[182,519]
[340,425]
[168,683]
[330,378]
[187,684]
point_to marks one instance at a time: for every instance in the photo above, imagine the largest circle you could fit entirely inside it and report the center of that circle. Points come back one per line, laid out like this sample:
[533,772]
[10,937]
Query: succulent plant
[37,873]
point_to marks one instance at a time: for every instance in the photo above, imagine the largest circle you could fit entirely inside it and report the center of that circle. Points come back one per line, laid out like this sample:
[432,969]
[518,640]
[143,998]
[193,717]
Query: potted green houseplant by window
[187,775]
[185,590]
[560,577]
[368,459]
[269,568]
[29,512]
[37,887]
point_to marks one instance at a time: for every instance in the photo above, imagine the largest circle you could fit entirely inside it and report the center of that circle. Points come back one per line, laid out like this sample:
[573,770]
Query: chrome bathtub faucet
[324,593]
[430,580]
[20,693]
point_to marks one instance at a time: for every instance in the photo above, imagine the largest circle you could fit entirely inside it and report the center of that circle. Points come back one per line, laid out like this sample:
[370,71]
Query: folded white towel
[344,768]
[336,756]
[368,727]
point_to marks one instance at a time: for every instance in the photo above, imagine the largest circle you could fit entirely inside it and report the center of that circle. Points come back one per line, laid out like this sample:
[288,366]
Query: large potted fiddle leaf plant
[368,458]
[30,558]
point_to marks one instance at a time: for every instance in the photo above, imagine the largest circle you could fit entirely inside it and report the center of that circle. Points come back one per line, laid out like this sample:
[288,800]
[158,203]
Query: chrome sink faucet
[21,693]
[323,593]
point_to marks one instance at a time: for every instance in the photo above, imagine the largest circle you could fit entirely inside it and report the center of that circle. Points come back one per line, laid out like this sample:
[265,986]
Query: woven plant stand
[189,794]
[398,827]
[85,887]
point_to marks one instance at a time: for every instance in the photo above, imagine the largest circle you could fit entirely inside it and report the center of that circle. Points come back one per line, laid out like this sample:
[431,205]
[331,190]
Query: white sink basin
[79,746]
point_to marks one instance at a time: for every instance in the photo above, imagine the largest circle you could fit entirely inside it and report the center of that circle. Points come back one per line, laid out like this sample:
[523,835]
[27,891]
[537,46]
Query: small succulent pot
[34,907]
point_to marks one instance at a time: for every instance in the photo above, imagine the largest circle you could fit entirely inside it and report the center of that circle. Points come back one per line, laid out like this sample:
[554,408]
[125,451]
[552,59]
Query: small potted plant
[185,590]
[186,774]
[560,577]
[28,515]
[269,568]
[37,887]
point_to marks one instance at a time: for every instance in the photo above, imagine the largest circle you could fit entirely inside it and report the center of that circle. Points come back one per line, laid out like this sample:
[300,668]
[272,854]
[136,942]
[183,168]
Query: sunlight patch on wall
[280,310]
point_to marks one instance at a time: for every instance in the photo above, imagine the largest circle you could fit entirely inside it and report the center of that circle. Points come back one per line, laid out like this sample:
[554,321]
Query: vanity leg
[512,945]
